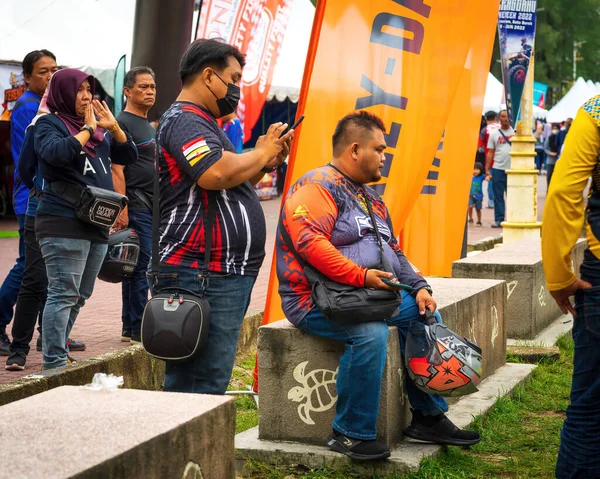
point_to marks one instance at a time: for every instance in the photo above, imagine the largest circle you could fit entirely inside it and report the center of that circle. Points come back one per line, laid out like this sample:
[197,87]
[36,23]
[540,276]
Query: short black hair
[131,75]
[34,56]
[478,166]
[346,130]
[207,52]
[491,115]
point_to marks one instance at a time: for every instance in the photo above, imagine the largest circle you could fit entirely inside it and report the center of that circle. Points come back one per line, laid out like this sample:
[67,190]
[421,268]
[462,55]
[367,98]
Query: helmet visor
[126,253]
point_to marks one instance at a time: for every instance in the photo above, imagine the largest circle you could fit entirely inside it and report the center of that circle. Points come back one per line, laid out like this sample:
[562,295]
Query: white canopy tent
[289,70]
[87,34]
[568,105]
[92,35]
[494,94]
[494,98]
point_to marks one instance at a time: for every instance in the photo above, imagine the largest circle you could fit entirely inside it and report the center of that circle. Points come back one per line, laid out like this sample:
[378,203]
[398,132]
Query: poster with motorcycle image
[516,32]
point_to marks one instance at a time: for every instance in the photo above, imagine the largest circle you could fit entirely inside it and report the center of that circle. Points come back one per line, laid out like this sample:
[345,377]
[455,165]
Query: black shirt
[140,175]
[61,158]
[189,142]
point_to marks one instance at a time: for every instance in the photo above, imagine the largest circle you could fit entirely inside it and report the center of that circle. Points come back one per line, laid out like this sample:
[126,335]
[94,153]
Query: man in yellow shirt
[579,454]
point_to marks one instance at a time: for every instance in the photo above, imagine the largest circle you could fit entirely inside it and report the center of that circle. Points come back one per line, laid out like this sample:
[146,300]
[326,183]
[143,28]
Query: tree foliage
[559,24]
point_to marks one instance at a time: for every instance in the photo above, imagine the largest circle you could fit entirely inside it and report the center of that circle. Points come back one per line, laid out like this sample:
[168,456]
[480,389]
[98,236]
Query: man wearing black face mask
[197,160]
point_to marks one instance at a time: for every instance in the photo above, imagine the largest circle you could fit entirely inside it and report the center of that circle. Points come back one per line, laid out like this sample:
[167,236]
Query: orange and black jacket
[327,219]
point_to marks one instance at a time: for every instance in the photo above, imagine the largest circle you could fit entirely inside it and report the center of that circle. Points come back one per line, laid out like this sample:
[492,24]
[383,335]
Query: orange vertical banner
[399,59]
[256,28]
[433,235]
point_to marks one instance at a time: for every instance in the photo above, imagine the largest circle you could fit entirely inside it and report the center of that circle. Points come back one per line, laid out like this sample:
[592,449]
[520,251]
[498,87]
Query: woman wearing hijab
[74,151]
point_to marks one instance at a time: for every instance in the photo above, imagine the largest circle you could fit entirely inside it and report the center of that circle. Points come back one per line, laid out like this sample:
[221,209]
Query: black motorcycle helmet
[121,257]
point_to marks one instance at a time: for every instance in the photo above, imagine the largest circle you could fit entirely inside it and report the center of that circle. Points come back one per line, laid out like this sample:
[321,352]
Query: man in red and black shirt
[327,219]
[196,159]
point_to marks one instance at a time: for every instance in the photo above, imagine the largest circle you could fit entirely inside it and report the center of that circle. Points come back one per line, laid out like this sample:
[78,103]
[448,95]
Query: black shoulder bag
[345,304]
[175,321]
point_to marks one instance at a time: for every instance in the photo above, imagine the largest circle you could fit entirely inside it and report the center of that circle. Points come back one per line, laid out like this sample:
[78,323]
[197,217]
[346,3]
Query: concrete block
[297,392]
[298,370]
[530,307]
[405,458]
[122,433]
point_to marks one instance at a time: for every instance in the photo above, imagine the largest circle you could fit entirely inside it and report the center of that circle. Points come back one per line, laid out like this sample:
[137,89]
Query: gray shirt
[501,148]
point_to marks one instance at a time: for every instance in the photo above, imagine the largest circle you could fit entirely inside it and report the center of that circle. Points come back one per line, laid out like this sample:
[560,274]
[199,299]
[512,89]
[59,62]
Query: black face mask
[228,104]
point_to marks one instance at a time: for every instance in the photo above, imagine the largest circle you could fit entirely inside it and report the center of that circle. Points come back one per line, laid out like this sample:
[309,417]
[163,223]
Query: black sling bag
[176,321]
[342,303]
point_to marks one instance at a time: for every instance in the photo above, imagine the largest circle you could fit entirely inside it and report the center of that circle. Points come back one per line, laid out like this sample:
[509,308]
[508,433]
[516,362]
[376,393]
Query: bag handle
[210,219]
[502,133]
[384,261]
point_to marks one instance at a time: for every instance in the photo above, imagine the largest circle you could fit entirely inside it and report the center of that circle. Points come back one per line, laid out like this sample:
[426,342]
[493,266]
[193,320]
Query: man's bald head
[357,127]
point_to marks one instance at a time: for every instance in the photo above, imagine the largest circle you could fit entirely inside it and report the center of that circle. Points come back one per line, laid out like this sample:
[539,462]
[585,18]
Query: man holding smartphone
[197,160]
[327,218]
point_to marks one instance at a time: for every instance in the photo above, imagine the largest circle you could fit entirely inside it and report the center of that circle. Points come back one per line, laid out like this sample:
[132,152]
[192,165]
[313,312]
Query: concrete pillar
[521,197]
[161,34]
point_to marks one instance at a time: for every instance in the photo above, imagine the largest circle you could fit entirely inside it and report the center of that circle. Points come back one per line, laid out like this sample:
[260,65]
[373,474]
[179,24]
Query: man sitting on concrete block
[327,221]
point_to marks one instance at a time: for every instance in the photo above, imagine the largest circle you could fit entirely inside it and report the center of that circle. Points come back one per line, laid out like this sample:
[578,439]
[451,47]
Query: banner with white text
[516,31]
[256,28]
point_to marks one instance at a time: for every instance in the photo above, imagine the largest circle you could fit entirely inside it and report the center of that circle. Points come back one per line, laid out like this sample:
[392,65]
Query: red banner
[256,28]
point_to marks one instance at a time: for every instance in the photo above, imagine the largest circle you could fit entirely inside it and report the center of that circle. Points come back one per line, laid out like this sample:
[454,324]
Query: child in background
[476,195]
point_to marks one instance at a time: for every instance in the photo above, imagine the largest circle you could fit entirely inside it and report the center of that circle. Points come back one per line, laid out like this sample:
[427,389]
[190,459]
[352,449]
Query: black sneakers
[16,361]
[136,337]
[73,344]
[357,449]
[4,343]
[126,335]
[440,430]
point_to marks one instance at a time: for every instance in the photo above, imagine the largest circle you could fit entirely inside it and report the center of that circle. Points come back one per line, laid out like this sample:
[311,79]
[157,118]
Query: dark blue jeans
[229,298]
[361,368]
[135,289]
[12,283]
[499,187]
[579,453]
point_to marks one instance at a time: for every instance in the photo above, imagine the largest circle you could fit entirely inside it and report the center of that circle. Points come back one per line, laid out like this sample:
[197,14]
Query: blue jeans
[12,283]
[229,298]
[499,187]
[490,192]
[135,289]
[72,266]
[578,456]
[361,368]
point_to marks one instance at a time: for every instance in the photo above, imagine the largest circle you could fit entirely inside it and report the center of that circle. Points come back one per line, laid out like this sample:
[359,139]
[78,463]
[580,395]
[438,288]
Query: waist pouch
[93,205]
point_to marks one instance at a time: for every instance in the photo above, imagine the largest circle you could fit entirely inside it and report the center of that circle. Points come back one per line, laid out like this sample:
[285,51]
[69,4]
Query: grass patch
[241,378]
[520,434]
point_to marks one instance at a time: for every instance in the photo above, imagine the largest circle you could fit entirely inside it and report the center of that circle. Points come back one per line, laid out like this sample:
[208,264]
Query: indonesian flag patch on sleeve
[195,150]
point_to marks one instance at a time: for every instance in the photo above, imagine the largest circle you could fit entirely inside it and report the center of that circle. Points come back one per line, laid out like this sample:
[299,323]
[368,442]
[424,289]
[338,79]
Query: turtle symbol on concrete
[317,393]
[542,296]
[192,471]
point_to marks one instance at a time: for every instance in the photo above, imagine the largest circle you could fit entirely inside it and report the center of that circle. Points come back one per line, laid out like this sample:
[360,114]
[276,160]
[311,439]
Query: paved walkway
[99,323]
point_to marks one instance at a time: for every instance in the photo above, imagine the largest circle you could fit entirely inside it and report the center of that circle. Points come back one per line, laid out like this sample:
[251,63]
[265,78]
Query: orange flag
[433,235]
[399,59]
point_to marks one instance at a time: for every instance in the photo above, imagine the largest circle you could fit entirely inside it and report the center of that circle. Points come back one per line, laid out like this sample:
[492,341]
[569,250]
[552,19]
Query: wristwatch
[87,128]
[428,289]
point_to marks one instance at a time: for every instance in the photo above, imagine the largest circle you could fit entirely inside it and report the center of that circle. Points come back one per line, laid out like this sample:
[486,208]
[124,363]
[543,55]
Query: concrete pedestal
[530,308]
[71,432]
[298,370]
